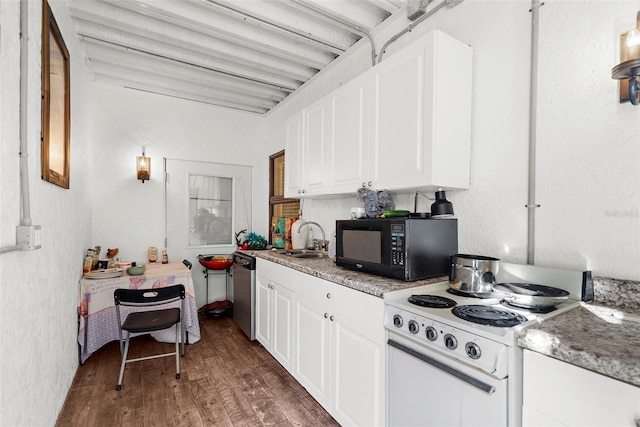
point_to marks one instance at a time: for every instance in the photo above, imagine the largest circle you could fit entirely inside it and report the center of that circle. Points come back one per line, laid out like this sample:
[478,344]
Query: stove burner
[480,295]
[488,315]
[432,301]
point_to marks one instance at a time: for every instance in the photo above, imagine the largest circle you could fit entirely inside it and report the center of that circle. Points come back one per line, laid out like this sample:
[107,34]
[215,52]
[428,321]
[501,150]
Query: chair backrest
[147,297]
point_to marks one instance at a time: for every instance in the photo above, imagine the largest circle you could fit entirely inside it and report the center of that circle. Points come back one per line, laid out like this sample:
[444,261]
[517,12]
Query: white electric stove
[443,369]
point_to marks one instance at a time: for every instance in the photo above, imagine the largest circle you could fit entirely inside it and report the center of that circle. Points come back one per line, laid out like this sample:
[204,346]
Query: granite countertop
[602,336]
[325,268]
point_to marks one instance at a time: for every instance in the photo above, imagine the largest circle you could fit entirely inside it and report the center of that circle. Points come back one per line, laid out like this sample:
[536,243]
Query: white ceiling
[247,55]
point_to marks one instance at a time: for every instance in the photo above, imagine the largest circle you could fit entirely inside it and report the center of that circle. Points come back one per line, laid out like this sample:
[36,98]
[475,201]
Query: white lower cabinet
[275,311]
[556,394]
[340,349]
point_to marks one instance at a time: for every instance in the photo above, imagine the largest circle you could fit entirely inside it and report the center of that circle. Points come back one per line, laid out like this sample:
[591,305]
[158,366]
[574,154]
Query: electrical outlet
[29,237]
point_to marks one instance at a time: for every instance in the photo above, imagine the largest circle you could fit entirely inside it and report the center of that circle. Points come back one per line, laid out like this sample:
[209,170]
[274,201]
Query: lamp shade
[143,166]
[441,208]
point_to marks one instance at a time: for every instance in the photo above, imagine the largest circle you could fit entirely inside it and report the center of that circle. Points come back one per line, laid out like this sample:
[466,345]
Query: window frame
[273,199]
[52,149]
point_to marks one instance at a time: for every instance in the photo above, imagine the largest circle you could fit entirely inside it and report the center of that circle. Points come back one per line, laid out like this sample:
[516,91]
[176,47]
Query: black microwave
[402,248]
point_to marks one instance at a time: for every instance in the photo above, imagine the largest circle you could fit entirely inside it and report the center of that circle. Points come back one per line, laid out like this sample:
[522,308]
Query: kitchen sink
[303,253]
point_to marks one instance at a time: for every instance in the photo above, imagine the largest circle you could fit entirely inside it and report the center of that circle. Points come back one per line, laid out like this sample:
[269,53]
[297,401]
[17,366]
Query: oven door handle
[489,389]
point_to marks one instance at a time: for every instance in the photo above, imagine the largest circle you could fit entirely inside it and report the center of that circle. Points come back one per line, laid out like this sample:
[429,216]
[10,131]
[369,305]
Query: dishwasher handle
[487,388]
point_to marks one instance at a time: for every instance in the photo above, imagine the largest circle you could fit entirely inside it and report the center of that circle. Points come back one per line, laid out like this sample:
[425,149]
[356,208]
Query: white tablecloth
[98,322]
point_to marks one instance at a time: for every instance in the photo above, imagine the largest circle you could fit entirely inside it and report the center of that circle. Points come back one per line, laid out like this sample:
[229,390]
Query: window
[55,103]
[279,206]
[210,210]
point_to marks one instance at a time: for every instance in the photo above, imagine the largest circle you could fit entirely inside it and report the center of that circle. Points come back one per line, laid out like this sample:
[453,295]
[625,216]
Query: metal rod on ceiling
[343,22]
[307,37]
[533,110]
[450,3]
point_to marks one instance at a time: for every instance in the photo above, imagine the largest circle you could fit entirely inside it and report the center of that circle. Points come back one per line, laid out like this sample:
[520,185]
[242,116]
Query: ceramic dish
[135,271]
[104,274]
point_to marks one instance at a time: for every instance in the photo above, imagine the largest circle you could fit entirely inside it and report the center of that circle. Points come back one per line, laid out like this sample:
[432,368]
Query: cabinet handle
[364,184]
[326,315]
[304,191]
[299,191]
[369,184]
[331,318]
[328,296]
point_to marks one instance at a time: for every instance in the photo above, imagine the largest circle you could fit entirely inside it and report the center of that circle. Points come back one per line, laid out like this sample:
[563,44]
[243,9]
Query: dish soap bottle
[299,236]
[165,257]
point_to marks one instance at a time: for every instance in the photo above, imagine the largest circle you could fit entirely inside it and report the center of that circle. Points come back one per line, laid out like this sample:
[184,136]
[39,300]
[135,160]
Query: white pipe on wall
[24,177]
[24,61]
[533,110]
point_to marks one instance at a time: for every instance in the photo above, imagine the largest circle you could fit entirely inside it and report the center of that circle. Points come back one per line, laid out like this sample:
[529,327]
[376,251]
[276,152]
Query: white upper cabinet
[293,156]
[422,124]
[316,146]
[350,133]
[406,123]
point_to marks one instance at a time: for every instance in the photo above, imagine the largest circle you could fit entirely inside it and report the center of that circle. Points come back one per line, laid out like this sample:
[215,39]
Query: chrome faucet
[323,244]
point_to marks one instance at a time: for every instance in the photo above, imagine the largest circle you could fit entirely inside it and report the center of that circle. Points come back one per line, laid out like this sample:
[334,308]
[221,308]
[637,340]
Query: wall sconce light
[143,166]
[628,70]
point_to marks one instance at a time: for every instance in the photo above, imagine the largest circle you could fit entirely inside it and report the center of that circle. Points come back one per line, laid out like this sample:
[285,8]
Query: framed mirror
[56,106]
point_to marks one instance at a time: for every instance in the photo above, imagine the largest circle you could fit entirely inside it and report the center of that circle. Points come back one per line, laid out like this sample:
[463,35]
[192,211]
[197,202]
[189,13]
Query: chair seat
[149,321]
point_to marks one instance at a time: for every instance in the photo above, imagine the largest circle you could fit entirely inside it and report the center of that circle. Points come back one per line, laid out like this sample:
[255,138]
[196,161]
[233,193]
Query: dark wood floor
[226,380]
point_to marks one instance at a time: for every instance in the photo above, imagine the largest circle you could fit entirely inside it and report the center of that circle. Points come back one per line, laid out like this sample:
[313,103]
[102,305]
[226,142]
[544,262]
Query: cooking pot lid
[531,290]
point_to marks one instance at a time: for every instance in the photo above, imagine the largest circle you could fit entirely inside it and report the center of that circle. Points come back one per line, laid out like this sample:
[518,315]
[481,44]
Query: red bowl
[215,265]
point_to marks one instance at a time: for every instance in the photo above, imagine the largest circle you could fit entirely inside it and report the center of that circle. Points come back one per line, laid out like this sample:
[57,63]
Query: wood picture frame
[56,104]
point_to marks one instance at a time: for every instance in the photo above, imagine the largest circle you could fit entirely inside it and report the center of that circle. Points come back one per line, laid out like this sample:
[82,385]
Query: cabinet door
[316,148]
[351,119]
[293,156]
[398,151]
[311,367]
[283,321]
[568,395]
[263,312]
[423,115]
[356,376]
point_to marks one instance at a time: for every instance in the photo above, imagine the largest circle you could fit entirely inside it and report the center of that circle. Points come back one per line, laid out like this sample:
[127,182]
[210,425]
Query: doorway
[206,204]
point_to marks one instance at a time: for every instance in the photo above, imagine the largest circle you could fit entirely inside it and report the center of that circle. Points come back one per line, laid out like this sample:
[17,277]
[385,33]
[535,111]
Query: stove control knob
[414,327]
[431,333]
[472,349]
[397,321]
[450,341]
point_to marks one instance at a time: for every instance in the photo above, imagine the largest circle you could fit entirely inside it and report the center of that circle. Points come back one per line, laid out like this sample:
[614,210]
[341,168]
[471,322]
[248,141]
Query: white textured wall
[38,290]
[588,148]
[128,214]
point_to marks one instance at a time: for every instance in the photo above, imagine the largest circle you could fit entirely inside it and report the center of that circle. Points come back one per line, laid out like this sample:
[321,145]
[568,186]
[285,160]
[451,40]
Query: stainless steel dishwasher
[244,293]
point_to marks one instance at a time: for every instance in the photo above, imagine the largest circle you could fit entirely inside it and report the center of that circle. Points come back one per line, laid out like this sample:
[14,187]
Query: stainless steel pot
[530,295]
[473,274]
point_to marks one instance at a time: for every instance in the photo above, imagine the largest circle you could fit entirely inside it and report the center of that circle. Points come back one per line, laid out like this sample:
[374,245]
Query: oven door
[426,388]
